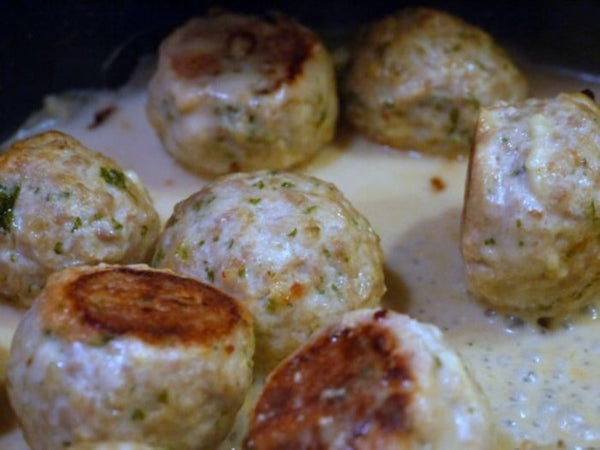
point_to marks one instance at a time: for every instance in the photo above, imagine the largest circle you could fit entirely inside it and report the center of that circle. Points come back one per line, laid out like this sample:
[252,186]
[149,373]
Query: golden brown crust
[156,306]
[276,46]
[354,357]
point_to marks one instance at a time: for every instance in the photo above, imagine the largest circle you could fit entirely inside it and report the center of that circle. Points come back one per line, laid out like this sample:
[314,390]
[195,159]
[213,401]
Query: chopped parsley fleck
[76,224]
[58,248]
[254,200]
[138,414]
[593,213]
[114,177]
[287,185]
[183,252]
[163,397]
[271,305]
[490,241]
[310,209]
[116,224]
[8,198]
[210,274]
[260,184]
[242,272]
[293,232]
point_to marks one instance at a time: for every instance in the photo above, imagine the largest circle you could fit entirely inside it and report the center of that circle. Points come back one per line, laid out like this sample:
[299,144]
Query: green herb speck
[76,224]
[58,248]
[8,198]
[114,177]
[210,274]
[116,224]
[163,397]
[137,415]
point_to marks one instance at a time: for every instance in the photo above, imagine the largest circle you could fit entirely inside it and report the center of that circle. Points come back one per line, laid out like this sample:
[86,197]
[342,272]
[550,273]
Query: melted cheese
[542,384]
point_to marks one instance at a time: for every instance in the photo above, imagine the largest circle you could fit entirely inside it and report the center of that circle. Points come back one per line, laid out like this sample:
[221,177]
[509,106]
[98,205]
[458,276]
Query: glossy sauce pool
[542,383]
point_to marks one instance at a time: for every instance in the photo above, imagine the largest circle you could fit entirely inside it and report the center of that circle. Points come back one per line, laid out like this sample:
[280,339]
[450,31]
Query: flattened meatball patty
[418,77]
[290,246]
[62,204]
[238,93]
[531,218]
[129,353]
[371,379]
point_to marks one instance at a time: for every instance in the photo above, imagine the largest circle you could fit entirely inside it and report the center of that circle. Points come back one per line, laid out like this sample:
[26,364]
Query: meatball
[290,246]
[531,217]
[239,93]
[129,353]
[371,379]
[417,78]
[61,205]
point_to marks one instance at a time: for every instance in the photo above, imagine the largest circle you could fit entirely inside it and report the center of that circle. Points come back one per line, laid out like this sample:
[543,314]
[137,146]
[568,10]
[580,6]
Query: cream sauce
[542,384]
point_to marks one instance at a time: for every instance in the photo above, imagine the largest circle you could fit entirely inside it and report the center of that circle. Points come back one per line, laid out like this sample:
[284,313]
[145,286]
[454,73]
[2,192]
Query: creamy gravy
[542,384]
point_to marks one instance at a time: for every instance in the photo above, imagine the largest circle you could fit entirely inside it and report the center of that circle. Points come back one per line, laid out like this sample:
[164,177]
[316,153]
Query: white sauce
[542,385]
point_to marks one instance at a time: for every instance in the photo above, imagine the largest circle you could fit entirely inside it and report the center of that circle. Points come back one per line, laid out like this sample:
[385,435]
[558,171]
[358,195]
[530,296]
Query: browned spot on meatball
[290,45]
[157,307]
[333,380]
[188,65]
[276,47]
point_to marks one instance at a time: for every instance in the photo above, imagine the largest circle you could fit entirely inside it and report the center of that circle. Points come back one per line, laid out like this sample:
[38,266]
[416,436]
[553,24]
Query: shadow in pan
[49,47]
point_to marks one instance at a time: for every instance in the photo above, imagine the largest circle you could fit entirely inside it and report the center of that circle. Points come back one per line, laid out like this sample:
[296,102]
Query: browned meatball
[238,93]
[531,219]
[61,205]
[129,353]
[371,379]
[418,77]
[290,246]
